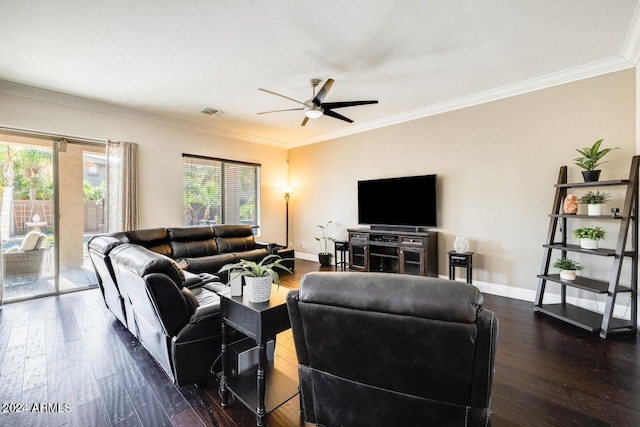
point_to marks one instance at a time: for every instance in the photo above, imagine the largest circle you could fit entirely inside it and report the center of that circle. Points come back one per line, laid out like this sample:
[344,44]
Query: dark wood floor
[70,353]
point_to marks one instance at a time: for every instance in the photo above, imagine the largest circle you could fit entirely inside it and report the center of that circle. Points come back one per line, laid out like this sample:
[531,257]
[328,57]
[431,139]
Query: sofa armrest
[271,247]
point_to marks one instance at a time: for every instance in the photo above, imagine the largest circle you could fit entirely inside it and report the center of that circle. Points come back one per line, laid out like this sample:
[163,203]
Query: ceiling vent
[213,112]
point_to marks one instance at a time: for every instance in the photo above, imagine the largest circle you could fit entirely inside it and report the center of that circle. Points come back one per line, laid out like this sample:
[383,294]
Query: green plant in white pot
[258,276]
[589,236]
[594,202]
[568,268]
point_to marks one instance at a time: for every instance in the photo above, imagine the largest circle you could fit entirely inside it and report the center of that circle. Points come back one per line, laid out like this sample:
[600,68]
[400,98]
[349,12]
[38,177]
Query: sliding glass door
[52,195]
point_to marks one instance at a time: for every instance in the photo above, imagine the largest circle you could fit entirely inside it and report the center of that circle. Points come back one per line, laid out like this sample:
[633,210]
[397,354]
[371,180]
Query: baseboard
[620,310]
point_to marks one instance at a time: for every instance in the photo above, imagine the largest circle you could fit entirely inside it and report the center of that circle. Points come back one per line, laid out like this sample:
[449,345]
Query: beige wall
[161,149]
[497,164]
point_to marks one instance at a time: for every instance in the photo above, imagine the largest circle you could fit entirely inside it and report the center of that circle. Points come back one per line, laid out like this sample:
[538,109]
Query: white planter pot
[568,274]
[258,288]
[594,210]
[589,244]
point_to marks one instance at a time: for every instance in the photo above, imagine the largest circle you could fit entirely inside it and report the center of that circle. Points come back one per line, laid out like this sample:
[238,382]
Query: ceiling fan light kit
[315,107]
[312,111]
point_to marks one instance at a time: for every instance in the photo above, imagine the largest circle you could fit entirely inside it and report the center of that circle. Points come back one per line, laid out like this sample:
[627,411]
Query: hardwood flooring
[66,361]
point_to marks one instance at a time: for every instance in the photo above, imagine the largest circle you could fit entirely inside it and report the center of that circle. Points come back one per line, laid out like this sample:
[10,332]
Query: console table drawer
[417,242]
[359,238]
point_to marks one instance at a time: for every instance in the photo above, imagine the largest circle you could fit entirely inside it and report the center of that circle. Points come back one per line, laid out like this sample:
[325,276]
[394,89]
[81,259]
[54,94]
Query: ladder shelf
[603,323]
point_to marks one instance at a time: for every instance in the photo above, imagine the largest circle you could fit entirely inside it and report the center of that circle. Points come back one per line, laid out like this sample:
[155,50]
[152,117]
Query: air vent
[213,112]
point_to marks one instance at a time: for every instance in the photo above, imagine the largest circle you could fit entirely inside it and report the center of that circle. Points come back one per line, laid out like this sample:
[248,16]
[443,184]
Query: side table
[263,389]
[464,260]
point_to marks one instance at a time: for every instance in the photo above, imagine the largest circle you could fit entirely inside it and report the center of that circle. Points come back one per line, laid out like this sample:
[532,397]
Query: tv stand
[394,251]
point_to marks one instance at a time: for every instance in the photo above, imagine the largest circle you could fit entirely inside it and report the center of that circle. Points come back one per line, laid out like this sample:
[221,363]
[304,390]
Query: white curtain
[122,186]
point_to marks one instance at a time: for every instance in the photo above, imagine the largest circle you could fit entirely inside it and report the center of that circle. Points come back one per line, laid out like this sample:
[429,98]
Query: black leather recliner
[179,327]
[377,349]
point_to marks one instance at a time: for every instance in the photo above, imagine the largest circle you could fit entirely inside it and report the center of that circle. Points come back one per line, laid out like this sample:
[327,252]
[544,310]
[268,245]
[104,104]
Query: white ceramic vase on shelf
[461,244]
[588,243]
[568,274]
[594,209]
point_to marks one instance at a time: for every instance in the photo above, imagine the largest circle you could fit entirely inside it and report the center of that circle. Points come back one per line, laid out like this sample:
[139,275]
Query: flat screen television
[409,201]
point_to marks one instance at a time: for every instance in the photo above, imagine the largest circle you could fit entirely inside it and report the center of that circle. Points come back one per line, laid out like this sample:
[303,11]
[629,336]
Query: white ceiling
[166,60]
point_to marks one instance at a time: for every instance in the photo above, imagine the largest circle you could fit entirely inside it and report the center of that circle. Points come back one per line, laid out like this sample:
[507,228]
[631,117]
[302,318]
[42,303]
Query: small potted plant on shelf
[589,236]
[324,256]
[594,201]
[258,276]
[568,268]
[589,160]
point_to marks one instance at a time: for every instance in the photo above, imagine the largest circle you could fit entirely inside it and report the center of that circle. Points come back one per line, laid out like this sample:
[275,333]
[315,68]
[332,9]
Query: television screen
[405,201]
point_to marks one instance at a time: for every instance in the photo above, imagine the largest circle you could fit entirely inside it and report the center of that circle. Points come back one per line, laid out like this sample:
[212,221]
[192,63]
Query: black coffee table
[263,389]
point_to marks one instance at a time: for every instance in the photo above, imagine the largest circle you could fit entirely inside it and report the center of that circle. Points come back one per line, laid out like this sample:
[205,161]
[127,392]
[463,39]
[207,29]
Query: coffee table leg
[224,393]
[260,410]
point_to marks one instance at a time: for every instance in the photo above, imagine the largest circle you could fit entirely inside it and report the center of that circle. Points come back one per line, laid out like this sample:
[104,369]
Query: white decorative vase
[594,209]
[258,288]
[461,244]
[568,274]
[588,243]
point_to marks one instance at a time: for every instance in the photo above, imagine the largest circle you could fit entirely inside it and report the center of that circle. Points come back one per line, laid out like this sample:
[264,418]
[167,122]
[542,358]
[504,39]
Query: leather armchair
[390,349]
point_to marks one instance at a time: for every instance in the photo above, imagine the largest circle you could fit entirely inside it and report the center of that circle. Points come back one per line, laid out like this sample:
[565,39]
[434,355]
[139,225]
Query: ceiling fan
[315,107]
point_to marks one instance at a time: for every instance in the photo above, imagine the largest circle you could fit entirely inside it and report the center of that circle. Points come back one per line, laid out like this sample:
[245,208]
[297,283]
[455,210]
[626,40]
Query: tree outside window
[218,191]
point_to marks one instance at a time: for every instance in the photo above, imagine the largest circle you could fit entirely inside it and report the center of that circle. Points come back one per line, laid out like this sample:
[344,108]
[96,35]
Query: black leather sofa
[388,349]
[162,285]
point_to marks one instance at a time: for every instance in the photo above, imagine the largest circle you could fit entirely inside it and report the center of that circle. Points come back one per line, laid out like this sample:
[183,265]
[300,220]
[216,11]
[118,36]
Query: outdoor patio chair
[24,261]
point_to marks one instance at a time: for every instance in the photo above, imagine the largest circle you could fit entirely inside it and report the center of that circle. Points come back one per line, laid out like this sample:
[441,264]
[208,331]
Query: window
[218,191]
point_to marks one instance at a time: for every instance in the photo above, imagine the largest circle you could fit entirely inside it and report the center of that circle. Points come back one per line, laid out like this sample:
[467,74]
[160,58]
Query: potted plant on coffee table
[589,160]
[594,202]
[589,236]
[258,276]
[324,256]
[568,268]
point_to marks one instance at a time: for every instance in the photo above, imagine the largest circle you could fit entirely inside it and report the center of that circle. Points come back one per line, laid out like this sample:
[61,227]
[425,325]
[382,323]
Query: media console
[394,251]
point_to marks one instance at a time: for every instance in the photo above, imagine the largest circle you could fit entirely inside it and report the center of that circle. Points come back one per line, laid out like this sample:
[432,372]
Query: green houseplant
[590,158]
[258,275]
[324,256]
[568,268]
[594,201]
[589,236]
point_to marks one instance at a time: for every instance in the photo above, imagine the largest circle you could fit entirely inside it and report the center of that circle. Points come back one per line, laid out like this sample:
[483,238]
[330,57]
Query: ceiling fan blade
[279,111]
[323,92]
[336,115]
[282,96]
[304,122]
[346,104]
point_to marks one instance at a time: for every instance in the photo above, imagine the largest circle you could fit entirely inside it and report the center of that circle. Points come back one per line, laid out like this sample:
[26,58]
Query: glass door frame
[58,144]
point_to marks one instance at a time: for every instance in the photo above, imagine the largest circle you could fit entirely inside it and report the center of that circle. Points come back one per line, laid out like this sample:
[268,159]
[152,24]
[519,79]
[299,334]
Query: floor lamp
[287,194]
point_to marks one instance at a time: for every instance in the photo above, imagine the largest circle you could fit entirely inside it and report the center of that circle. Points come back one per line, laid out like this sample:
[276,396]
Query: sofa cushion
[154,239]
[191,242]
[31,241]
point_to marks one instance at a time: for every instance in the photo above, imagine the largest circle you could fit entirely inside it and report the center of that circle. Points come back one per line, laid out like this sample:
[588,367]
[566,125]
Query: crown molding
[117,110]
[631,49]
[532,85]
[628,60]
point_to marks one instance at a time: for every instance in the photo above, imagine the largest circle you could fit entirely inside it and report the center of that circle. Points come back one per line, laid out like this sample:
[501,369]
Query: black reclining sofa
[162,285]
